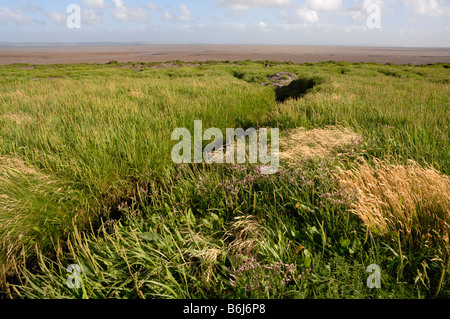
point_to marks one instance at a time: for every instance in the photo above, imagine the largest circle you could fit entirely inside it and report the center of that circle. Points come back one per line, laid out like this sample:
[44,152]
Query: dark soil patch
[137,68]
[26,67]
[296,89]
[288,85]
[165,66]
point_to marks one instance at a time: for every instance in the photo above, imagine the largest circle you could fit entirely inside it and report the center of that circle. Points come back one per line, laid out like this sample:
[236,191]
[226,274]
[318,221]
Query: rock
[281,79]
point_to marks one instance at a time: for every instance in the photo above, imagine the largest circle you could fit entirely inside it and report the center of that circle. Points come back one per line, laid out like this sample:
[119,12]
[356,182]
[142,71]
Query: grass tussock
[35,209]
[407,199]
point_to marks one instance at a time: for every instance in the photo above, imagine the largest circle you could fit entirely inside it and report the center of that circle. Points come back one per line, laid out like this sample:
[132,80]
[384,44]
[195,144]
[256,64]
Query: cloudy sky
[424,23]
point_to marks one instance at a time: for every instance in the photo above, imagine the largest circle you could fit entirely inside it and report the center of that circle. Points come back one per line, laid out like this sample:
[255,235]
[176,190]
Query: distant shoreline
[143,44]
[51,53]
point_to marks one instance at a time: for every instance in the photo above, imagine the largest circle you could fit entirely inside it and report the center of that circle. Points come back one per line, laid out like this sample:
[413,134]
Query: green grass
[87,178]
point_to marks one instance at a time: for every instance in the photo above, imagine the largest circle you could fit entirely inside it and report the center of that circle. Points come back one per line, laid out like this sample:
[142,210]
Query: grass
[86,178]
[408,202]
[319,142]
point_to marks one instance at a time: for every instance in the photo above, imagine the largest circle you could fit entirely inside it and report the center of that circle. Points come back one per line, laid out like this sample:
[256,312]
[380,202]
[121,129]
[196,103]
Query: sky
[404,23]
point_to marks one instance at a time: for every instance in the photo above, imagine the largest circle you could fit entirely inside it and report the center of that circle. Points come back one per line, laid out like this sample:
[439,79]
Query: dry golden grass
[8,163]
[408,200]
[246,232]
[208,257]
[318,142]
[135,93]
[18,118]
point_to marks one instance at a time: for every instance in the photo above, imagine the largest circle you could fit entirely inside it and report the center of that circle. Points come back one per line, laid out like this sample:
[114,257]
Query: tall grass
[207,248]
[409,204]
[84,145]
[103,136]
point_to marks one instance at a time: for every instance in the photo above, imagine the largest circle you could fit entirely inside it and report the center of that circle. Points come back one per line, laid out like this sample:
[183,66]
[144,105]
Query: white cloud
[17,16]
[187,28]
[323,5]
[152,7]
[356,16]
[354,28]
[184,16]
[288,27]
[247,4]
[95,4]
[31,7]
[292,27]
[263,26]
[90,16]
[309,11]
[235,26]
[169,16]
[433,8]
[305,14]
[125,13]
[357,13]
[384,4]
[192,28]
[57,17]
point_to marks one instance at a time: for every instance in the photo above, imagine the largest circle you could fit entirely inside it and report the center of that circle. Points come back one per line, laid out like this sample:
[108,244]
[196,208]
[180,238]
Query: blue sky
[421,23]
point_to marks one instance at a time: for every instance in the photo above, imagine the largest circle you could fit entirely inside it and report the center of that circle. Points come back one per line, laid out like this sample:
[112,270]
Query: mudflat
[190,53]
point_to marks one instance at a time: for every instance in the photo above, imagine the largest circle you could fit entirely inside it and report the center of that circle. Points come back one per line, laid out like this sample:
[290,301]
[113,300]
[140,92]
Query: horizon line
[144,43]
